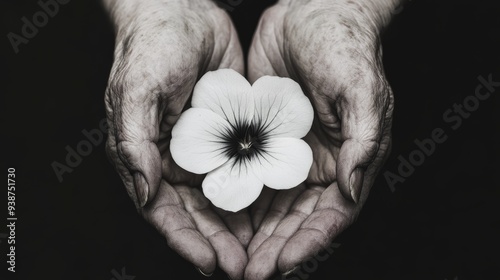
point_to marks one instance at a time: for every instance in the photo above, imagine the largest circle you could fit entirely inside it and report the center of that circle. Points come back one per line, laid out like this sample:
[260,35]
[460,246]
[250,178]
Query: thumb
[361,113]
[136,124]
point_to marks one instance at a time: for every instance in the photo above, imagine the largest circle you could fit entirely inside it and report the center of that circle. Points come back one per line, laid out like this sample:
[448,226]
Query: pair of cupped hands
[331,49]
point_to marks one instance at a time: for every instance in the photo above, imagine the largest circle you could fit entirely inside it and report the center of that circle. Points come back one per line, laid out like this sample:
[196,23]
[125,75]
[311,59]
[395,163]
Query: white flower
[244,136]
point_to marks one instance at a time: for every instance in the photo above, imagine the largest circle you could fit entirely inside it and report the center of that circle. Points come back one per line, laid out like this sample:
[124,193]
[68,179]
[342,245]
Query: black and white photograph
[250,139]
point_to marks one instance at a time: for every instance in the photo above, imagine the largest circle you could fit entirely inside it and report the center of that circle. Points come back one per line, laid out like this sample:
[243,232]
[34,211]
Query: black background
[442,222]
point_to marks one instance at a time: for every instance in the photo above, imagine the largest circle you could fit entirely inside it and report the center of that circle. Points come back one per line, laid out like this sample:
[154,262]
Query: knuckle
[138,81]
[125,152]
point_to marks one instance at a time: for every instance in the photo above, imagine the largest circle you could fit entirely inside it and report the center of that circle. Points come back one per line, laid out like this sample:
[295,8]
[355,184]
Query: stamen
[244,148]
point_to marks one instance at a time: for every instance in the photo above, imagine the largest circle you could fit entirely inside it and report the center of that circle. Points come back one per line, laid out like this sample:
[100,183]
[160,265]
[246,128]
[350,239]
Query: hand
[162,48]
[333,50]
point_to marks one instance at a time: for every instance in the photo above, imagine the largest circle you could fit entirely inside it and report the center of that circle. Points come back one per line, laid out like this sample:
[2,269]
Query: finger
[233,57]
[260,61]
[264,262]
[136,128]
[332,214]
[114,159]
[279,208]
[261,206]
[238,223]
[362,111]
[231,256]
[167,214]
[112,154]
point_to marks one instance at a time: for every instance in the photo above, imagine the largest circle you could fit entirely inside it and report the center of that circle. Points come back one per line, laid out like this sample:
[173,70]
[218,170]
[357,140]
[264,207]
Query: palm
[295,224]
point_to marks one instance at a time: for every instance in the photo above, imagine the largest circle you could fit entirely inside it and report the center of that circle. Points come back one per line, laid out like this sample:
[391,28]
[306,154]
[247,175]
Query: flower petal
[226,93]
[233,187]
[196,143]
[281,107]
[285,163]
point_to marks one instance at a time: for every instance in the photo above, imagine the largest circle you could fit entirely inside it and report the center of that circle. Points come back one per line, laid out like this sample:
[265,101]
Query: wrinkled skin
[159,56]
[332,51]
[336,57]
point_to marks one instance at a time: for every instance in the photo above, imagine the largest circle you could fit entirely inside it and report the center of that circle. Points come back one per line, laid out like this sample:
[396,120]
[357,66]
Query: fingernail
[141,188]
[203,273]
[356,183]
[290,271]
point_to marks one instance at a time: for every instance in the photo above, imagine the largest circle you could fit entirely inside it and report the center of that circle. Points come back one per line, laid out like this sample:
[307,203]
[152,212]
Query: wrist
[376,14]
[127,13]
[382,11]
[372,14]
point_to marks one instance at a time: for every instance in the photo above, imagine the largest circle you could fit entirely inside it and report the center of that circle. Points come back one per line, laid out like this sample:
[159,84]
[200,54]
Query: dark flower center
[244,141]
